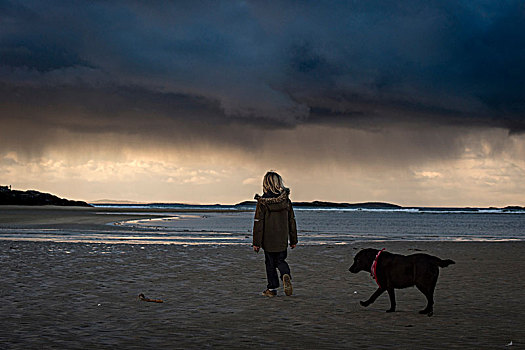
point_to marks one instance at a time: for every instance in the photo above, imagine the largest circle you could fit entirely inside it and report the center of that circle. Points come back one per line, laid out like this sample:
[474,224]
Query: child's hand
[292,246]
[256,249]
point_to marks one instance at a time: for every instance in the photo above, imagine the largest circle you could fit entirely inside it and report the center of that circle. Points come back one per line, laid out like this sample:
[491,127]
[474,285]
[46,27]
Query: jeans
[275,261]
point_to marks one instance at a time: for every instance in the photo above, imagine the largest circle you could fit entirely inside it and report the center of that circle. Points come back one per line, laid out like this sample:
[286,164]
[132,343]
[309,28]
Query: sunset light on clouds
[418,104]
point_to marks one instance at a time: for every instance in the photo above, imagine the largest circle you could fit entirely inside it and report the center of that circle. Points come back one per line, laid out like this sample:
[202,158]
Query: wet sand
[68,217]
[84,295]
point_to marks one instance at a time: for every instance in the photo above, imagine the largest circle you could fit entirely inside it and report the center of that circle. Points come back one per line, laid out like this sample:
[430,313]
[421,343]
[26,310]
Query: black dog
[400,271]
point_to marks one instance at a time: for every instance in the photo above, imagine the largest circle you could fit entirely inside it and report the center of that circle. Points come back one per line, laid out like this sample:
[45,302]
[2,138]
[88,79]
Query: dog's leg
[372,298]
[392,296]
[429,294]
[429,310]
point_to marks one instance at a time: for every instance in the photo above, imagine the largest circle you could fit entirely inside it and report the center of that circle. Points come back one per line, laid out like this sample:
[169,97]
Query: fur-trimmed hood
[280,202]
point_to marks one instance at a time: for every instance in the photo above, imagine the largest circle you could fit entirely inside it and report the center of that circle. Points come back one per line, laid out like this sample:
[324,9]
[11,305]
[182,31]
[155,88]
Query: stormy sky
[417,103]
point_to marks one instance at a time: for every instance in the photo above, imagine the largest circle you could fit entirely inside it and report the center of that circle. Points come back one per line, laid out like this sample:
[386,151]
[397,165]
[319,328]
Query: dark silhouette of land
[322,204]
[32,197]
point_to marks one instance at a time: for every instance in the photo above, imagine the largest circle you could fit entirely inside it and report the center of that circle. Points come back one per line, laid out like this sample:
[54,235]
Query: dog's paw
[427,312]
[364,303]
[391,310]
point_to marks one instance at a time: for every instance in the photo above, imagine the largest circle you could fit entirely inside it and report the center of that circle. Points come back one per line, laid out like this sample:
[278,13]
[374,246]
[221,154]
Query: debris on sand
[143,298]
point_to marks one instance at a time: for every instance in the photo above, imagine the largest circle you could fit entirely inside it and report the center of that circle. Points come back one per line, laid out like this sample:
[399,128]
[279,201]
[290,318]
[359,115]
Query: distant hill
[113,201]
[514,207]
[31,197]
[321,204]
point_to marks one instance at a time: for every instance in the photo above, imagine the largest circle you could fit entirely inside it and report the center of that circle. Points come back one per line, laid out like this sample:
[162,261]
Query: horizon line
[130,203]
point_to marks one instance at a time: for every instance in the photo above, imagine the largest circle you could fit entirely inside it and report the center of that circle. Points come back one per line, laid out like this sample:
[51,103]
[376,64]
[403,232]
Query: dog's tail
[445,263]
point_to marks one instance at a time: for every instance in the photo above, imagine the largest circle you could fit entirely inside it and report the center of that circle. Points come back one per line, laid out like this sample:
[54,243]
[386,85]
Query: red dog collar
[374,267]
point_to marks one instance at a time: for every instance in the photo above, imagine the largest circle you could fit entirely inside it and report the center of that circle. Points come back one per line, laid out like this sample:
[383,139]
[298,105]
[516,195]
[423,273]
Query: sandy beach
[84,295]
[67,217]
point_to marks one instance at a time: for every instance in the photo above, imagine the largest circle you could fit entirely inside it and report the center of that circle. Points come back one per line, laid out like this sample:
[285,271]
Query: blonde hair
[273,182]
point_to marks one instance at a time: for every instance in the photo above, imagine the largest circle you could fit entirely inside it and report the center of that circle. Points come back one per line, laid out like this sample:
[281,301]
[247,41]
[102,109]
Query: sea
[227,225]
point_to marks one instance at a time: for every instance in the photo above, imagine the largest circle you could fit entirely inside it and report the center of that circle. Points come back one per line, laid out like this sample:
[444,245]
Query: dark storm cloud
[206,70]
[35,120]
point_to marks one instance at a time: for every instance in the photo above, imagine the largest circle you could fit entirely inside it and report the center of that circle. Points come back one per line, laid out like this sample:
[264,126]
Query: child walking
[274,224]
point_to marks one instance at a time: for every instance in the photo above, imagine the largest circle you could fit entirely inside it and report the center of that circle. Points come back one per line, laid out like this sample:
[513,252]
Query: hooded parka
[274,223]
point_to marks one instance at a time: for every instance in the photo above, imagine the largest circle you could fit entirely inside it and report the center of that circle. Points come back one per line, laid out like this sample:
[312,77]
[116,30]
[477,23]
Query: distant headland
[322,204]
[31,197]
[35,198]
